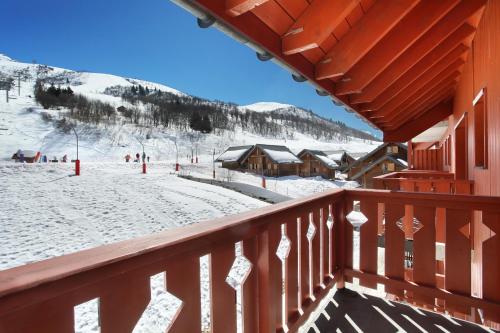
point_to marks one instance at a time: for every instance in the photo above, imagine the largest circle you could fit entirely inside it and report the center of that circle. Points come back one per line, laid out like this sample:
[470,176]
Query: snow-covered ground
[291,186]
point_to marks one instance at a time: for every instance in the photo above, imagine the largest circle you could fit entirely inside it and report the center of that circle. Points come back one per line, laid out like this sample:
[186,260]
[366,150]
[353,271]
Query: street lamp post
[213,164]
[77,161]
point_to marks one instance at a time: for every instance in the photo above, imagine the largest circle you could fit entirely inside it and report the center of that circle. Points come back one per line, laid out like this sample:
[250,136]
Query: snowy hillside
[25,125]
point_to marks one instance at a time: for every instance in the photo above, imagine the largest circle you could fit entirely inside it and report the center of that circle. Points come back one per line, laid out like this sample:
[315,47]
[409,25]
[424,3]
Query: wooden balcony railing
[423,181]
[41,297]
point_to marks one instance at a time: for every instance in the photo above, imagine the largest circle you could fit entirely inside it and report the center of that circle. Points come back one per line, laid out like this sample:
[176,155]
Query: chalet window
[480,130]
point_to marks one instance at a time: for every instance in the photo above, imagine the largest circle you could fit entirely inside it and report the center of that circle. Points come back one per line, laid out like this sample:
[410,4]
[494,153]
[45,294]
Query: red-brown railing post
[339,241]
[270,282]
[223,296]
[183,281]
[304,260]
[291,273]
[368,254]
[249,291]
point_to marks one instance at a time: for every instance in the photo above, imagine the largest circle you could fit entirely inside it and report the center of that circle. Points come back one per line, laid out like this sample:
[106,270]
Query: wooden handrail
[40,296]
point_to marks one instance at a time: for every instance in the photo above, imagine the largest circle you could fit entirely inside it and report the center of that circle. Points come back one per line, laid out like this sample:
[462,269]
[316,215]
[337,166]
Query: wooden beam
[413,26]
[423,104]
[417,108]
[418,76]
[450,31]
[373,92]
[238,7]
[363,36]
[424,100]
[411,129]
[420,88]
[315,25]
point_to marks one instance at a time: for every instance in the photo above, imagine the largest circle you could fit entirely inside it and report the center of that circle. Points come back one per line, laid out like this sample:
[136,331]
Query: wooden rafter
[428,119]
[422,105]
[363,36]
[238,7]
[415,75]
[420,88]
[401,72]
[315,25]
[433,97]
[451,30]
[413,26]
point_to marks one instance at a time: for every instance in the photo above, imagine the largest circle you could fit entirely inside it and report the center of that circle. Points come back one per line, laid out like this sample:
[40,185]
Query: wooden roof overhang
[396,63]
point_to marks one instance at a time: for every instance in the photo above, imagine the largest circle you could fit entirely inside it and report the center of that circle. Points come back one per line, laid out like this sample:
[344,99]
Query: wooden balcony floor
[349,309]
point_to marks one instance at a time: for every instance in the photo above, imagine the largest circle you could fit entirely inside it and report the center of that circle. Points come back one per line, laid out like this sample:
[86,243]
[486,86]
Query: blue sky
[152,40]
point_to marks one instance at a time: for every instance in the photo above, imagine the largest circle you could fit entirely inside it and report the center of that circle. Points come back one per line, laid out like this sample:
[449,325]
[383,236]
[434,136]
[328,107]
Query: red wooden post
[176,166]
[263,182]
[270,280]
[144,167]
[77,167]
[223,305]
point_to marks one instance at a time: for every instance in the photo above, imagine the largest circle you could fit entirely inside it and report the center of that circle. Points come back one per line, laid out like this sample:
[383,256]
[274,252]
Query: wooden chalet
[388,157]
[272,160]
[234,158]
[317,163]
[402,66]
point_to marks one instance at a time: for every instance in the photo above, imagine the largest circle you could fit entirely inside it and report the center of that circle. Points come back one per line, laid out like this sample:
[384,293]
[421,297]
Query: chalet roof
[337,155]
[234,154]
[399,60]
[376,150]
[372,165]
[278,154]
[320,156]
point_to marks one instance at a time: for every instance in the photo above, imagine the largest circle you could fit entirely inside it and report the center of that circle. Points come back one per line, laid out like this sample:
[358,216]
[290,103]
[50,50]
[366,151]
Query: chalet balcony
[424,181]
[328,242]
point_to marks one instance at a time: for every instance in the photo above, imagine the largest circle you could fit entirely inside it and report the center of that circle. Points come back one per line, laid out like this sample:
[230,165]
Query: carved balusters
[369,241]
[458,256]
[394,246]
[424,251]
[223,295]
[270,280]
[491,262]
[304,261]
[124,302]
[292,300]
[183,281]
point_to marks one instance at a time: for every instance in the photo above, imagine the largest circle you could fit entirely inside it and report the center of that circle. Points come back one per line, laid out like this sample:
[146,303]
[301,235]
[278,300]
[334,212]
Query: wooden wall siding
[40,297]
[429,159]
[480,72]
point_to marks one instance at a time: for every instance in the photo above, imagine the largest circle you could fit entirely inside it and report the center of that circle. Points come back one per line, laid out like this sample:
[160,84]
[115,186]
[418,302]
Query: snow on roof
[264,106]
[325,159]
[336,156]
[280,154]
[402,162]
[233,154]
[321,155]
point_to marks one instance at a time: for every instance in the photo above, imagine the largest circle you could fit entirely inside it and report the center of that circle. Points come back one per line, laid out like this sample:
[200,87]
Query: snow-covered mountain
[24,124]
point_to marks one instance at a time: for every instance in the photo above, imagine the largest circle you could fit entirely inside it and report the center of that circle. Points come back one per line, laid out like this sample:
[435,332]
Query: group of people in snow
[137,159]
[28,156]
